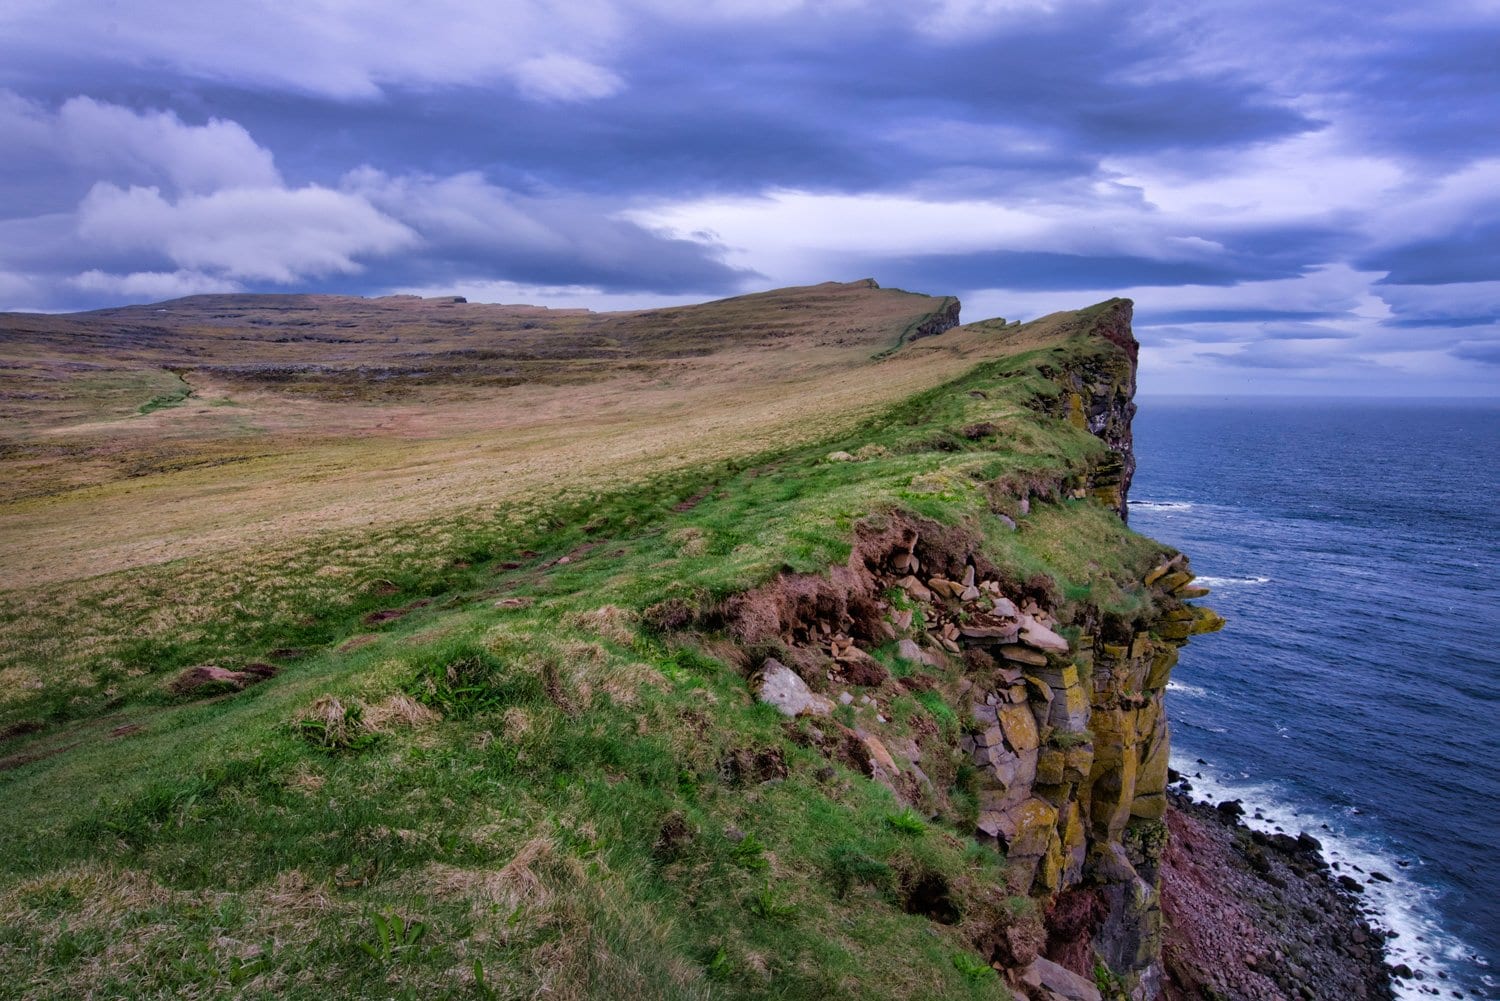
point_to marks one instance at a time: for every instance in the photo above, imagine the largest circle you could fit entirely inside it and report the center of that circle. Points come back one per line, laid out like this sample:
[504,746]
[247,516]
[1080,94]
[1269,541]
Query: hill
[787,646]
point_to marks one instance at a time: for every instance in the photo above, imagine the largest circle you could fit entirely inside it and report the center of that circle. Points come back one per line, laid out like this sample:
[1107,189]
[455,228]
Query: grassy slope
[517,767]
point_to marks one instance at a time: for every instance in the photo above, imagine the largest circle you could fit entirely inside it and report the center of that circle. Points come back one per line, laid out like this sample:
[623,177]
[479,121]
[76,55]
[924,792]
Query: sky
[1300,197]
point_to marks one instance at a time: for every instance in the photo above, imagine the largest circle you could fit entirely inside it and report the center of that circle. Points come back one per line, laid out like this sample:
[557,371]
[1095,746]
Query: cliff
[873,709]
[1063,701]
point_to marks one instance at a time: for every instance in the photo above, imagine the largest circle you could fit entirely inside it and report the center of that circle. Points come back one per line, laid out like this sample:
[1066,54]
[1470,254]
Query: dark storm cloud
[1265,355]
[842,106]
[1470,253]
[1484,352]
[472,229]
[1430,93]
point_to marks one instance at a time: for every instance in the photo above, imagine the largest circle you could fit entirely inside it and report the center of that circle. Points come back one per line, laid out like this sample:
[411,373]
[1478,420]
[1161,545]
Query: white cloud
[794,236]
[559,77]
[1435,209]
[18,292]
[268,234]
[798,235]
[152,145]
[459,209]
[1334,288]
[195,158]
[552,296]
[152,286]
[966,18]
[1300,180]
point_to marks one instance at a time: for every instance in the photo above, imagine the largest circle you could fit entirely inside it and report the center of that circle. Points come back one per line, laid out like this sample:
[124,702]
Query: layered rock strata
[1066,725]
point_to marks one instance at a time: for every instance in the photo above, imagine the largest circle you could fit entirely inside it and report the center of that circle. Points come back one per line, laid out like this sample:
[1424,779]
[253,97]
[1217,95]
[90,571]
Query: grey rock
[779,685]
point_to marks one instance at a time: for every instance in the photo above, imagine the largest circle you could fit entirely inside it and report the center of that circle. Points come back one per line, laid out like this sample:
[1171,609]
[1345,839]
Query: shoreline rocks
[1256,917]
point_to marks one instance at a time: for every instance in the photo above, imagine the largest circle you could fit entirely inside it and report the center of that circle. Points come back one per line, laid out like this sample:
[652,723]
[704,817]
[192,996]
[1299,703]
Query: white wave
[1230,581]
[1402,905]
[1163,505]
[1186,689]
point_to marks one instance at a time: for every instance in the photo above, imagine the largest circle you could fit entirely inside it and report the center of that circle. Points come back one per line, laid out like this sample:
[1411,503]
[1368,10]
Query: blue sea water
[1354,547]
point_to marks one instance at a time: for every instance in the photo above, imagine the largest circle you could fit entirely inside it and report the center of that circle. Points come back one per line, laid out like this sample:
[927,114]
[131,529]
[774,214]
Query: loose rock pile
[1065,721]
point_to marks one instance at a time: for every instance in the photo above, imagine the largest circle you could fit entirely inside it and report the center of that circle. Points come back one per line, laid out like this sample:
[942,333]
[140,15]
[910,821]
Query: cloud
[1286,357]
[1457,304]
[321,47]
[19,292]
[1244,178]
[554,296]
[475,230]
[565,78]
[152,144]
[257,234]
[1151,316]
[152,286]
[1468,253]
[219,216]
[1484,352]
[1036,269]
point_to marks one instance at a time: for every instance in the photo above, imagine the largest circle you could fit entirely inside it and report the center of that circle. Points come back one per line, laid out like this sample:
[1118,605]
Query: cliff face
[1065,732]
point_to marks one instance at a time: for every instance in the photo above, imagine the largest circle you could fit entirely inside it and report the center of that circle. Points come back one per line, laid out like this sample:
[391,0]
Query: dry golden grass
[94,487]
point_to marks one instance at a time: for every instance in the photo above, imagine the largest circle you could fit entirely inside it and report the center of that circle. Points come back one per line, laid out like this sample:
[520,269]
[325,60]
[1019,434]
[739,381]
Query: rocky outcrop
[1062,705]
[1097,394]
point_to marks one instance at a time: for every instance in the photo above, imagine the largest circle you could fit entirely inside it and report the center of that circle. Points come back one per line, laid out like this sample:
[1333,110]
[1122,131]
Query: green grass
[172,398]
[534,785]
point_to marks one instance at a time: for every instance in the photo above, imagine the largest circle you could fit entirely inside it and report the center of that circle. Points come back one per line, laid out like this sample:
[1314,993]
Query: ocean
[1354,547]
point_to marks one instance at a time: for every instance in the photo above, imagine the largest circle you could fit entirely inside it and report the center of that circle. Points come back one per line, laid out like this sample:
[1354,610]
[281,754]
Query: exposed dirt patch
[208,679]
[867,673]
[20,729]
[674,836]
[752,765]
[684,506]
[392,614]
[126,730]
[801,609]
[17,760]
[572,557]
[356,642]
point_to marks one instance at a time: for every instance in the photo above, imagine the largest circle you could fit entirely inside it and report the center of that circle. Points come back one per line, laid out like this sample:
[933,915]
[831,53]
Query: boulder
[1021,655]
[915,589]
[1034,634]
[1206,620]
[1027,828]
[778,685]
[908,649]
[1173,581]
[1046,979]
[944,587]
[1005,608]
[984,626]
[882,766]
[1020,728]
